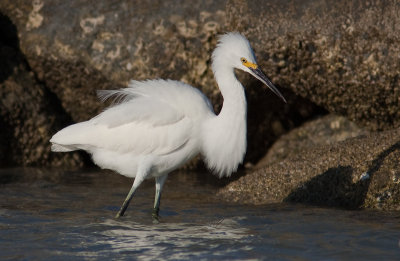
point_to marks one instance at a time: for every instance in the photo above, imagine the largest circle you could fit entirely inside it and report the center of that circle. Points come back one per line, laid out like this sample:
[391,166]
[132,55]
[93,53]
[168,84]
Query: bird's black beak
[264,79]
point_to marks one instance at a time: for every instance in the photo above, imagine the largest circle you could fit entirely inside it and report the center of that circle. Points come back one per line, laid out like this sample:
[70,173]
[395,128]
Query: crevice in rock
[265,127]
[9,48]
[29,111]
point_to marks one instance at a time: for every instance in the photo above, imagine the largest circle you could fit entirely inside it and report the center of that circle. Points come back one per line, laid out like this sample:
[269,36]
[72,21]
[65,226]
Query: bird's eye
[243,60]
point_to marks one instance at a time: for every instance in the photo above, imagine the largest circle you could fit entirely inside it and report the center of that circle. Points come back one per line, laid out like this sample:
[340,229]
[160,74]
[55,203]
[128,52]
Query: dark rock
[342,55]
[269,118]
[27,123]
[361,172]
[325,130]
[29,114]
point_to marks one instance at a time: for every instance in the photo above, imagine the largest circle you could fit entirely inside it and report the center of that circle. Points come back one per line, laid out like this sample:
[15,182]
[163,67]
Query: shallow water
[61,215]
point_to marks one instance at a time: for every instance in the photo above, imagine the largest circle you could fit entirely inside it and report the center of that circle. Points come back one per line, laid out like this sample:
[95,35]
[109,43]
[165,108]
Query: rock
[28,113]
[341,55]
[361,172]
[325,130]
[74,48]
[27,125]
[268,117]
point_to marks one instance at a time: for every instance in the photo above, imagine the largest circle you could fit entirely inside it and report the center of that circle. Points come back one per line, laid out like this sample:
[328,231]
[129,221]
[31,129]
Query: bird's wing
[120,130]
[149,120]
[182,97]
[144,110]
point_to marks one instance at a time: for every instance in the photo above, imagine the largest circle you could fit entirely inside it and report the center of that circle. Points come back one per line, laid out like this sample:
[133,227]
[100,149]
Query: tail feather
[62,148]
[70,138]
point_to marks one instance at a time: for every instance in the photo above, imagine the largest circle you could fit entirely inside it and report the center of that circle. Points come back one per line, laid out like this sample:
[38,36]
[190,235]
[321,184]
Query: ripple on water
[171,239]
[45,217]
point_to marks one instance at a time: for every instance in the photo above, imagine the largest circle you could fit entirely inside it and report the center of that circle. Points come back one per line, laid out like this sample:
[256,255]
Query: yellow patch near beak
[250,65]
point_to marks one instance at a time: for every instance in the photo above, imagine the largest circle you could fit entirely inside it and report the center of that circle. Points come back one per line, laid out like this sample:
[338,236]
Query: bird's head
[235,51]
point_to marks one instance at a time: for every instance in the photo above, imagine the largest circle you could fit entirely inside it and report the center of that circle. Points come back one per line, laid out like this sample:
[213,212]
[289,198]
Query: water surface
[64,215]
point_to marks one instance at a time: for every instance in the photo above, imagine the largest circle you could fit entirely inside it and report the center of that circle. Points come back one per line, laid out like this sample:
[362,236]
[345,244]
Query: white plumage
[153,120]
[155,126]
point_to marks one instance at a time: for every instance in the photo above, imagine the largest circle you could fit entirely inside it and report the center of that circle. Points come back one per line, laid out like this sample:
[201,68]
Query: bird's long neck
[234,105]
[225,137]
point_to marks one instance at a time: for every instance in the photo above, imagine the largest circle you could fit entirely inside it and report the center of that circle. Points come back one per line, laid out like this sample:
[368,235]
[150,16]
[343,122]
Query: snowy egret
[155,126]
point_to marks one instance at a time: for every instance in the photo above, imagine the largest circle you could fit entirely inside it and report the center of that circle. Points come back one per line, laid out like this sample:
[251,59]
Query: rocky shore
[359,172]
[334,58]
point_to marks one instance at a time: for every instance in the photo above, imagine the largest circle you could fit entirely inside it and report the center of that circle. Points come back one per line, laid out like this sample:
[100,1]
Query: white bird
[155,126]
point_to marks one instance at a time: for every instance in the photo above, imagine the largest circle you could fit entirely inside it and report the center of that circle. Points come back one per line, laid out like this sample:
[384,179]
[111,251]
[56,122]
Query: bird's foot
[155,216]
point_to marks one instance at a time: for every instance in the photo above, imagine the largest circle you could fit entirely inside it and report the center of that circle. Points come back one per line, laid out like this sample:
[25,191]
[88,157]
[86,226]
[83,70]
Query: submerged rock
[361,172]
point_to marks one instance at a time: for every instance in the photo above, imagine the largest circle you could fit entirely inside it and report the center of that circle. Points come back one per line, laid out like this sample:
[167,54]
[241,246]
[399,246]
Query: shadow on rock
[377,163]
[336,187]
[333,188]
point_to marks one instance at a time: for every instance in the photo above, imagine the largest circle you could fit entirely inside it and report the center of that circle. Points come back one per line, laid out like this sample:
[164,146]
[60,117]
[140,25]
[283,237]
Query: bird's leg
[127,200]
[140,176]
[159,186]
